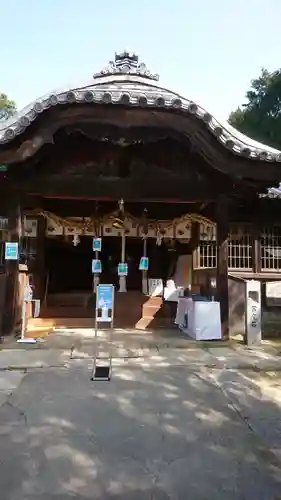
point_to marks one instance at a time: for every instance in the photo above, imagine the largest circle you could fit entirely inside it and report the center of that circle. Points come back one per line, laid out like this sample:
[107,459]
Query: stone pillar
[222,262]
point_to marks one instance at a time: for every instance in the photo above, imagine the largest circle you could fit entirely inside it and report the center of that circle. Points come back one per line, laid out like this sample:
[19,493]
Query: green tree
[7,107]
[260,117]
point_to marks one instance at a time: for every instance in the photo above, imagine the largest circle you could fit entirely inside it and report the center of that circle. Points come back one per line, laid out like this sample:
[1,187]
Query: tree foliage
[260,117]
[7,106]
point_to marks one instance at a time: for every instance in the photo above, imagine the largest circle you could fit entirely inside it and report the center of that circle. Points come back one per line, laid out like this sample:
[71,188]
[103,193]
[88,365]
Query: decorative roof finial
[127,63]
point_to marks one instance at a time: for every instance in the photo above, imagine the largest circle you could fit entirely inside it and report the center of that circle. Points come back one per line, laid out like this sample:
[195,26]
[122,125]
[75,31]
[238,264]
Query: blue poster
[144,263]
[105,297]
[122,269]
[96,266]
[97,244]
[11,251]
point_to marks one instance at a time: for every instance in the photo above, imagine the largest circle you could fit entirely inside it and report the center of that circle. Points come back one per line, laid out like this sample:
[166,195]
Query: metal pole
[111,336]
[97,256]
[122,279]
[95,348]
[23,321]
[144,273]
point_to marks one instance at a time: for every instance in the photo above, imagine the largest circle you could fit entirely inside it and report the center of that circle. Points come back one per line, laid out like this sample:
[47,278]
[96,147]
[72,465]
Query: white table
[203,323]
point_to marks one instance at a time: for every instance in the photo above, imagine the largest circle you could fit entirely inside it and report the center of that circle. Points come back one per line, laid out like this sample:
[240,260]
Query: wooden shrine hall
[149,172]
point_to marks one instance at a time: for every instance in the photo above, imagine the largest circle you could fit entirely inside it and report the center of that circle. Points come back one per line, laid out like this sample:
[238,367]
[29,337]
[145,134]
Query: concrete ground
[167,426]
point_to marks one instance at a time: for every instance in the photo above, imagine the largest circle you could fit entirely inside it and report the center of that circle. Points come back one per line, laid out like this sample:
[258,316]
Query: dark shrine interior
[69,266]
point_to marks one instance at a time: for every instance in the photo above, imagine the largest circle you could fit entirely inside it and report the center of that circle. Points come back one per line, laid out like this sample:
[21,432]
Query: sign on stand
[253,325]
[11,250]
[104,314]
[104,303]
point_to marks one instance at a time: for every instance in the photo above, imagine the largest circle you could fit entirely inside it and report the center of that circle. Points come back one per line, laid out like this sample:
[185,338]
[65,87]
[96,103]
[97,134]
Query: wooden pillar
[256,248]
[38,269]
[222,262]
[12,268]
[195,235]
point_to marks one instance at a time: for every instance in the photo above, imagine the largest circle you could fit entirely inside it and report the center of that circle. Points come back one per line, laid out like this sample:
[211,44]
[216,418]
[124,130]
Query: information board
[96,266]
[105,296]
[144,263]
[105,303]
[122,269]
[97,244]
[11,251]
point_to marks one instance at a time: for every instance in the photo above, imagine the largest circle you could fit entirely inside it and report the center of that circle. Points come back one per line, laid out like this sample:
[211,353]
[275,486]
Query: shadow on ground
[150,433]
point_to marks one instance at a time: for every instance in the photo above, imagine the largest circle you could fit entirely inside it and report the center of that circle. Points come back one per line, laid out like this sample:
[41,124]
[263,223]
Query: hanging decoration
[118,220]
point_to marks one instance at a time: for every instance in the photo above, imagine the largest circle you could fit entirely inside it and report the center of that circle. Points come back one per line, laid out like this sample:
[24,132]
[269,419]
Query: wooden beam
[195,236]
[222,262]
[129,189]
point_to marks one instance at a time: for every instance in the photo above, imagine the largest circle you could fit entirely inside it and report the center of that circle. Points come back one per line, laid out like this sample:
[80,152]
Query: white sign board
[273,293]
[155,287]
[253,312]
[104,303]
[28,293]
[36,313]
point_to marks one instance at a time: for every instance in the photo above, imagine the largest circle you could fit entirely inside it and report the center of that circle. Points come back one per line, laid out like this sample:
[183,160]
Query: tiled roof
[128,82]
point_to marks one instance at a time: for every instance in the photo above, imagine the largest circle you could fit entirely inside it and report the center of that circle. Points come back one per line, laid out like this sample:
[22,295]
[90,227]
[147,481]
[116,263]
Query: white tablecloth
[185,305]
[203,319]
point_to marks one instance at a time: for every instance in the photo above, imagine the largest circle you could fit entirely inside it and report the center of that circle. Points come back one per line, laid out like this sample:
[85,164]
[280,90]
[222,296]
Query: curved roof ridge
[128,82]
[248,140]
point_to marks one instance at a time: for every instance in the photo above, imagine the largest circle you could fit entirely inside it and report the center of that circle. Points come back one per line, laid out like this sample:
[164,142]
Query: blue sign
[97,244]
[11,251]
[96,266]
[105,295]
[122,269]
[144,263]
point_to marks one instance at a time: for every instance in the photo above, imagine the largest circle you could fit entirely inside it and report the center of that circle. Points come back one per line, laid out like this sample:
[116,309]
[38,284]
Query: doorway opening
[69,266]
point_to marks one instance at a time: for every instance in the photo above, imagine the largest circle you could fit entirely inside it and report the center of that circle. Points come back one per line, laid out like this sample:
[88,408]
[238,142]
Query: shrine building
[153,175]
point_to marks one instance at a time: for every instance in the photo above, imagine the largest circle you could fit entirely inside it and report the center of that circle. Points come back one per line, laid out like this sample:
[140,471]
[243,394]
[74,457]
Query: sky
[206,50]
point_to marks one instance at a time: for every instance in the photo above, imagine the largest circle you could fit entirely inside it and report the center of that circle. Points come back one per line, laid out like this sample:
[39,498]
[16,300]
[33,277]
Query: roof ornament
[127,63]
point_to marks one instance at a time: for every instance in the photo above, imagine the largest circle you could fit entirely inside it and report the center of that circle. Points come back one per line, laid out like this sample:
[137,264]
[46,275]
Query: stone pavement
[176,421]
[150,433]
[61,348]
